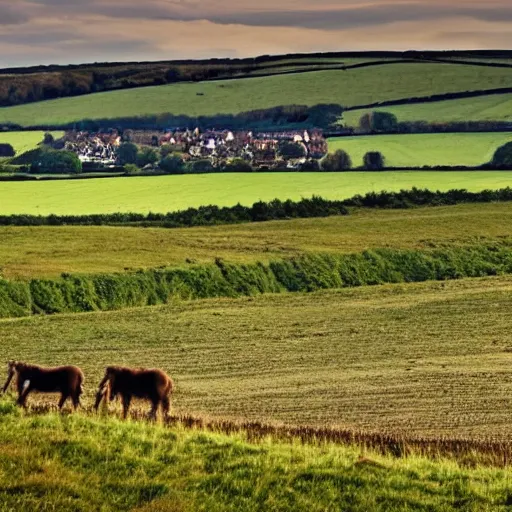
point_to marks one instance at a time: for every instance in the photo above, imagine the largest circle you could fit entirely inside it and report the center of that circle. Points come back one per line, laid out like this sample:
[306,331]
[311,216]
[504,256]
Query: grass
[424,359]
[171,193]
[467,149]
[349,88]
[78,463]
[24,141]
[485,108]
[50,251]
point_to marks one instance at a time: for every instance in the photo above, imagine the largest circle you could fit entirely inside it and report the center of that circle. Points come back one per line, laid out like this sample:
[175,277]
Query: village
[263,149]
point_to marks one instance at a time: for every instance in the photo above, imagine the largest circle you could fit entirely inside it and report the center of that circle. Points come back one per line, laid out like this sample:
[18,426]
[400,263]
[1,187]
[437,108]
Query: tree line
[265,211]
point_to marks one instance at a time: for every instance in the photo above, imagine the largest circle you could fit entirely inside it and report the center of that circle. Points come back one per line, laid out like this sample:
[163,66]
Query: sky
[78,31]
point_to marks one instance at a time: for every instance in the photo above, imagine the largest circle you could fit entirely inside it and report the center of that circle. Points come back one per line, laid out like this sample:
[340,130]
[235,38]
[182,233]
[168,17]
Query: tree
[310,166]
[378,122]
[146,156]
[127,153]
[200,167]
[172,164]
[289,150]
[57,162]
[6,150]
[337,161]
[503,156]
[373,161]
[48,139]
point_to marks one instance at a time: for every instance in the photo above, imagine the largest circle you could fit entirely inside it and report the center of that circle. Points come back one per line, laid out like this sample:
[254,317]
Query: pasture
[81,464]
[24,141]
[496,107]
[425,359]
[347,87]
[50,251]
[416,150]
[171,193]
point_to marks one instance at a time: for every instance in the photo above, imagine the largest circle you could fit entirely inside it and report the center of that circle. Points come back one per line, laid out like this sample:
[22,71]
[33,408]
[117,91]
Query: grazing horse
[154,385]
[67,380]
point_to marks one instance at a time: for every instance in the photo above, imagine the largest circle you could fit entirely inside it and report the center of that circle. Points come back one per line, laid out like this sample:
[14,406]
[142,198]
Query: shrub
[503,156]
[48,139]
[172,164]
[337,161]
[378,122]
[146,156]
[127,153]
[57,162]
[373,161]
[238,165]
[199,166]
[310,166]
[290,150]
[6,150]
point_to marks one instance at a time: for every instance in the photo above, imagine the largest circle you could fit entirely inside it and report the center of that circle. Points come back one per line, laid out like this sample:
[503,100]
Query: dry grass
[49,251]
[417,360]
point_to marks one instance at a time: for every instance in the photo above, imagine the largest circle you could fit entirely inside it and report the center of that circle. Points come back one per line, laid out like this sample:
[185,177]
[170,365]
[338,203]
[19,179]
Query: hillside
[171,193]
[496,107]
[50,251]
[79,463]
[417,150]
[349,88]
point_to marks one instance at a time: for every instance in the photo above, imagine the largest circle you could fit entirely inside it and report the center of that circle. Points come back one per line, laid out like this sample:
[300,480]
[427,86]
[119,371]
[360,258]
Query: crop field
[171,193]
[349,88]
[496,107]
[24,141]
[426,359]
[416,150]
[50,251]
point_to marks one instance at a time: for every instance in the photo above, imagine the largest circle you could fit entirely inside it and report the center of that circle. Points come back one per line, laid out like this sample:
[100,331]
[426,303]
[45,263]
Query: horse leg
[154,408]
[126,405]
[166,407]
[63,398]
[23,393]
[76,400]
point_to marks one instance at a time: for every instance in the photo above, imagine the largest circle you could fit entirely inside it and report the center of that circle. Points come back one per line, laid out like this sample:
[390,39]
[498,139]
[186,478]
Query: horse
[152,384]
[68,380]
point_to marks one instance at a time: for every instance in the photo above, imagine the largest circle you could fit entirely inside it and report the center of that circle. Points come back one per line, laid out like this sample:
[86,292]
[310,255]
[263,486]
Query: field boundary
[74,293]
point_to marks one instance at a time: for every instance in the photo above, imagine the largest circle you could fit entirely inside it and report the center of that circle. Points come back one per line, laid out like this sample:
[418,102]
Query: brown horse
[154,385]
[67,380]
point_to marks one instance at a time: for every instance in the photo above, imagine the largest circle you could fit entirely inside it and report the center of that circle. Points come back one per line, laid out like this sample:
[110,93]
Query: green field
[24,141]
[485,108]
[417,150]
[349,88]
[81,464]
[423,359]
[50,251]
[170,193]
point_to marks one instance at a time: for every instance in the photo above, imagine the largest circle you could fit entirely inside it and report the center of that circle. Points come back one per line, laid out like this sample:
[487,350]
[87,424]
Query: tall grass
[310,272]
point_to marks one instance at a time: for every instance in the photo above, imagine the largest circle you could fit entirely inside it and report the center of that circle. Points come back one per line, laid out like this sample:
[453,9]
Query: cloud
[10,15]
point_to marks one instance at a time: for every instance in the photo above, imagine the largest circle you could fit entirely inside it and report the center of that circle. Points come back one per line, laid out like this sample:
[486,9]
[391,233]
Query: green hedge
[310,272]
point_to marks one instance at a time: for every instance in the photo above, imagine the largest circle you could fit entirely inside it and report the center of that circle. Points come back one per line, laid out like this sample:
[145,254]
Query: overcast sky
[75,31]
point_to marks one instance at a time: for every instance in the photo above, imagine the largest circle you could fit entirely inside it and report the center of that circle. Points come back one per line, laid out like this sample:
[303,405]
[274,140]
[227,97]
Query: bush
[377,122]
[237,165]
[199,166]
[337,161]
[56,162]
[310,166]
[48,139]
[146,156]
[6,150]
[172,164]
[291,150]
[503,156]
[127,153]
[373,161]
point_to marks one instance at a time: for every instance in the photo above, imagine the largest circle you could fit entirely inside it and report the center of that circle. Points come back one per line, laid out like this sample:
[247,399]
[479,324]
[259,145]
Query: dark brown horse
[154,385]
[67,380]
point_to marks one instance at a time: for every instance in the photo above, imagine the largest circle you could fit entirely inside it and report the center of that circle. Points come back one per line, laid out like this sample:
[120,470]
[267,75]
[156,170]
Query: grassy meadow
[79,463]
[24,141]
[496,107]
[416,150]
[388,82]
[49,251]
[425,359]
[171,193]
